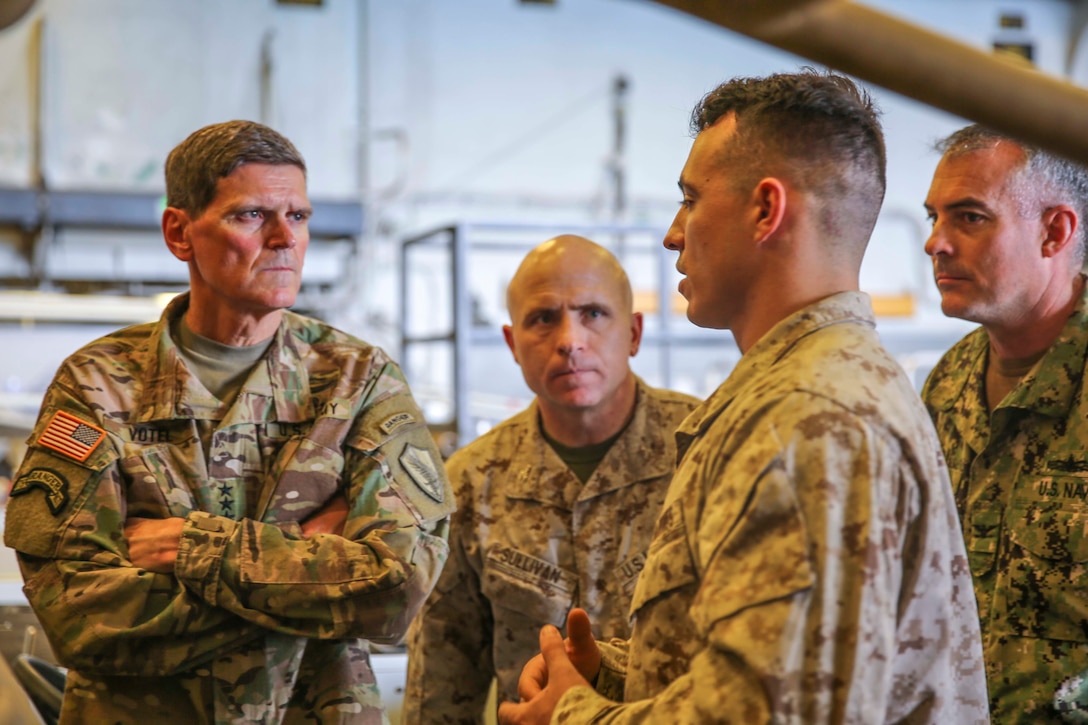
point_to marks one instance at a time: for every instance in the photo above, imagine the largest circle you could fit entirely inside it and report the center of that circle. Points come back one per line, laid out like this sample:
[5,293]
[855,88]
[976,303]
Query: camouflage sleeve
[370,581]
[798,597]
[612,675]
[100,613]
[450,664]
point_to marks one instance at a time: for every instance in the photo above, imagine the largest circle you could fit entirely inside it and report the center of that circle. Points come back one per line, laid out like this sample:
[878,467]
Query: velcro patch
[421,467]
[395,421]
[71,436]
[1069,464]
[627,572]
[54,485]
[529,568]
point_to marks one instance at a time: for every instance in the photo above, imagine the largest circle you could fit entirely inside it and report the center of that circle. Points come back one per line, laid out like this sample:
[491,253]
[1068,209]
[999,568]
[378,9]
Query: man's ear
[636,333]
[508,335]
[768,207]
[175,225]
[1060,226]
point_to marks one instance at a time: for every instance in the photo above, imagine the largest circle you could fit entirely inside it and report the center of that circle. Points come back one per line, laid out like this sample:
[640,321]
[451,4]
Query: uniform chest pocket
[983,525]
[160,479]
[301,480]
[1043,592]
[669,564]
[535,589]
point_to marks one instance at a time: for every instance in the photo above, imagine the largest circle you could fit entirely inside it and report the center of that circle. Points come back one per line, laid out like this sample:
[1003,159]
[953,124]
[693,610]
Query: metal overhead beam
[999,92]
[19,208]
[29,208]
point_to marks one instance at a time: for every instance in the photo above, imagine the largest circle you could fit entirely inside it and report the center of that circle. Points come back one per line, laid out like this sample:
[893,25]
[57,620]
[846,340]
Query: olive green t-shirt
[582,460]
[221,368]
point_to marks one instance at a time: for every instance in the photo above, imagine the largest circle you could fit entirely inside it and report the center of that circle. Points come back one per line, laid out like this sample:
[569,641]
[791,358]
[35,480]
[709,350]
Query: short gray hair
[1042,178]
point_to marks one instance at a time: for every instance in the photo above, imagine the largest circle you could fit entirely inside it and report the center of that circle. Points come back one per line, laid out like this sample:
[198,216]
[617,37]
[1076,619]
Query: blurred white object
[391,672]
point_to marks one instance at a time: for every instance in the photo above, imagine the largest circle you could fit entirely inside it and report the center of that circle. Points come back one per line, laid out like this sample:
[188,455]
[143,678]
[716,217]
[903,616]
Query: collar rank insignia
[420,466]
[71,436]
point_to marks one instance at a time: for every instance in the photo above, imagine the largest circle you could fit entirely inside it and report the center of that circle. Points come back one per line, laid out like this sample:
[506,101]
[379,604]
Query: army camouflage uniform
[528,542]
[807,566]
[1021,480]
[257,624]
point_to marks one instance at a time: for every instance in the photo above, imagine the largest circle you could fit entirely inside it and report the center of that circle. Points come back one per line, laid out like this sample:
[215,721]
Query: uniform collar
[1048,389]
[1051,386]
[637,455]
[776,344]
[970,361]
[171,391]
[960,397]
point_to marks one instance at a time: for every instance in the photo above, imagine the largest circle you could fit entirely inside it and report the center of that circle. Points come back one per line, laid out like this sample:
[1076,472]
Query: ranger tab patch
[420,466]
[54,485]
[395,421]
[71,436]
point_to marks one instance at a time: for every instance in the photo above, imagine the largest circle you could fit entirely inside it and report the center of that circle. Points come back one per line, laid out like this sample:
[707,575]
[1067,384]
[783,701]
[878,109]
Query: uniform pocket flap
[303,478]
[1059,534]
[763,557]
[669,563]
[538,589]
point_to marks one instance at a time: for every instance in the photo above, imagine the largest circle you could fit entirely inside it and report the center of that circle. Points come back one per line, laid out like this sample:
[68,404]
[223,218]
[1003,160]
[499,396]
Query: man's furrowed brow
[536,309]
[968,202]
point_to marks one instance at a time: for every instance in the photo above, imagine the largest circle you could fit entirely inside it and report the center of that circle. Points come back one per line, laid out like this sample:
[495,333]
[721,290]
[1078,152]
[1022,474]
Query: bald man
[557,504]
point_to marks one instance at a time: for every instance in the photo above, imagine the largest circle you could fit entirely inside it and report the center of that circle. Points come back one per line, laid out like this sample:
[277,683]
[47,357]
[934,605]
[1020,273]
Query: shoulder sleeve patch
[395,421]
[396,415]
[52,483]
[417,474]
[394,431]
[420,466]
[48,490]
[71,436]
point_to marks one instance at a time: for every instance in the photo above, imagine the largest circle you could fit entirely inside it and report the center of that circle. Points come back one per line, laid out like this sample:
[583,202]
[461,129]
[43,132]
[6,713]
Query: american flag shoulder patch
[71,436]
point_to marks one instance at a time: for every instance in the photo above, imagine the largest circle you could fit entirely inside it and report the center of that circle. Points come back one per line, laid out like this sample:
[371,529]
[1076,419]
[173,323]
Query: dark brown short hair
[195,166]
[818,126]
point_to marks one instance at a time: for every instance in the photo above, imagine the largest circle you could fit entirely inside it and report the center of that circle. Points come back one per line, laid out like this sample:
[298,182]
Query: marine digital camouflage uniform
[808,566]
[1021,480]
[257,624]
[528,542]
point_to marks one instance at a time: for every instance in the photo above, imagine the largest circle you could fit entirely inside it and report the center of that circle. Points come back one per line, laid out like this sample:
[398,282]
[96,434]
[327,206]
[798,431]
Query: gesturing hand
[560,666]
[582,646]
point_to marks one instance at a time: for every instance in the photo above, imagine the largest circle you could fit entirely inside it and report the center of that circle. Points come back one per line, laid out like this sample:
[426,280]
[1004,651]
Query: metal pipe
[462,329]
[999,92]
[38,111]
[618,162]
[266,77]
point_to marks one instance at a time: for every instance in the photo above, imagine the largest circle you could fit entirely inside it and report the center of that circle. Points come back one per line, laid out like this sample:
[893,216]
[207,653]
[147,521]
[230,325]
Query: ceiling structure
[992,89]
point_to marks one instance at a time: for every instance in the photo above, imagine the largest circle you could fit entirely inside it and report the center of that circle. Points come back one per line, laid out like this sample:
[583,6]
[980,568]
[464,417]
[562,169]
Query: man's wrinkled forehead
[554,286]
